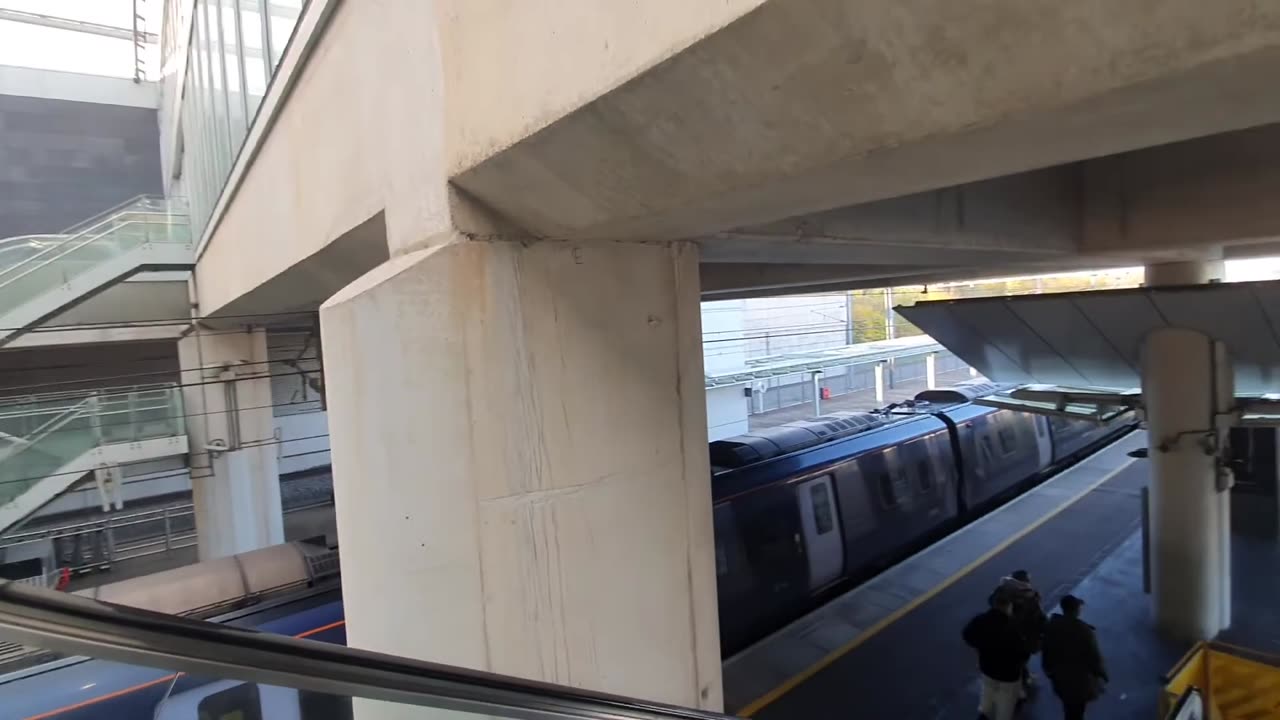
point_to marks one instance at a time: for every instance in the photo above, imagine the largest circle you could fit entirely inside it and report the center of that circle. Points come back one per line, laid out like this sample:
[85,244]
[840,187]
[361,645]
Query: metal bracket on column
[216,447]
[1208,441]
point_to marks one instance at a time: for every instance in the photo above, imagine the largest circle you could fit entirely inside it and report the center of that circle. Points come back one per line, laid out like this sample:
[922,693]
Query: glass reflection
[235,48]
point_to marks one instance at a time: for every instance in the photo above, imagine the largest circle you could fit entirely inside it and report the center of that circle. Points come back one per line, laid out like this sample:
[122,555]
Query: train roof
[963,392]
[760,445]
[728,482]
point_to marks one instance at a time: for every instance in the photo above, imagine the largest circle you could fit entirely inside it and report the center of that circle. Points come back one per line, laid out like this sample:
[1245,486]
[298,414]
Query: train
[807,509]
[801,512]
[290,589]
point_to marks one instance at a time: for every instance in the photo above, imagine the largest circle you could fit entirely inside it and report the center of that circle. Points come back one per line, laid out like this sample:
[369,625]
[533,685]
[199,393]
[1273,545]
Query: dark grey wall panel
[63,161]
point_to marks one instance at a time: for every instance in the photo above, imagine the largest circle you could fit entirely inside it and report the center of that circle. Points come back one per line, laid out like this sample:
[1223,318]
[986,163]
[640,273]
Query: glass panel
[65,258]
[46,436]
[212,47]
[93,688]
[295,666]
[206,139]
[255,66]
[823,518]
[230,49]
[284,17]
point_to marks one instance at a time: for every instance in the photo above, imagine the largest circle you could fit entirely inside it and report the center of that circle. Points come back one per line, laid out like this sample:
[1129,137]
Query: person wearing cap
[1072,659]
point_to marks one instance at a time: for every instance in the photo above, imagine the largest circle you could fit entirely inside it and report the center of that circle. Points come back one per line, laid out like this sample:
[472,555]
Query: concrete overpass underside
[896,143]
[525,202]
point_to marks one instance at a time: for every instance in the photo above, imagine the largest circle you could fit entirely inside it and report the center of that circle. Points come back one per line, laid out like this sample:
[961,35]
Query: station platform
[892,647]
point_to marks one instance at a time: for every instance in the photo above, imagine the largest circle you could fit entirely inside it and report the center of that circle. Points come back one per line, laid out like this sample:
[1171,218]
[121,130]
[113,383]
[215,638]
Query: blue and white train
[801,511]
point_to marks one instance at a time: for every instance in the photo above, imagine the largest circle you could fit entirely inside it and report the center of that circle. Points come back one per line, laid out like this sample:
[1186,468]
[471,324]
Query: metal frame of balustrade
[79,626]
[101,535]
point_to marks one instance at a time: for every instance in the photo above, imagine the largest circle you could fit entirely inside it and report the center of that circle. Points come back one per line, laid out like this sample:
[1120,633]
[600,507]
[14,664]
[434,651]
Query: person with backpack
[1028,614]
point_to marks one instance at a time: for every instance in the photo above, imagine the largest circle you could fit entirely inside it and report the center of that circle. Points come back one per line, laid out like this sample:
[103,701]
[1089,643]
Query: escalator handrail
[76,625]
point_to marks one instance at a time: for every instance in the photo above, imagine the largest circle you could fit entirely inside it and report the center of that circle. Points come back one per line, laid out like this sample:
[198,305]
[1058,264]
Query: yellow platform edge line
[794,681]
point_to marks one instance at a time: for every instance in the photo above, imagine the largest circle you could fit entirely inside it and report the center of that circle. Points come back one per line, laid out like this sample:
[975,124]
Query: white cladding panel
[1094,339]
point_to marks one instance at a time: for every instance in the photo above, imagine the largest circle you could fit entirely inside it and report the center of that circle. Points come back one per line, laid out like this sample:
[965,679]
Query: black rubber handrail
[76,625]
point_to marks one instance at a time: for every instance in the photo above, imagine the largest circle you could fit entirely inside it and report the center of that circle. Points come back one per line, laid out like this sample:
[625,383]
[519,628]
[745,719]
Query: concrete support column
[1186,385]
[519,454]
[880,381]
[817,392]
[931,371]
[227,400]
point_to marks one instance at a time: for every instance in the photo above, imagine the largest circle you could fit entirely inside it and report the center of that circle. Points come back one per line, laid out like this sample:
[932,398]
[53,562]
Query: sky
[35,46]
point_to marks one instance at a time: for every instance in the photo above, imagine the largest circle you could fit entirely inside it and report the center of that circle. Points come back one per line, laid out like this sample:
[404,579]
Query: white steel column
[931,371]
[519,453]
[1186,385]
[817,392]
[227,400]
[880,382]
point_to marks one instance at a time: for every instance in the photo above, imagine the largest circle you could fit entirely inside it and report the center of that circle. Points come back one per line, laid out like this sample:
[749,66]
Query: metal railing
[144,221]
[40,434]
[96,545]
[79,626]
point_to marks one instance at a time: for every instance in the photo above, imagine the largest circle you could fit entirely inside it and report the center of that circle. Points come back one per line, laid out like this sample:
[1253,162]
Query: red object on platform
[826,393]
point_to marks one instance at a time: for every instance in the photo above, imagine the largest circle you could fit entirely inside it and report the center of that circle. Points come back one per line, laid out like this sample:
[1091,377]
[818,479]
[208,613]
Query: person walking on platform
[1072,659]
[1002,655]
[1028,614]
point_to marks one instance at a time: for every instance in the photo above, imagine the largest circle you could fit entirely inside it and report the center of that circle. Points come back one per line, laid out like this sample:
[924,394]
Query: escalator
[42,276]
[50,442]
[218,672]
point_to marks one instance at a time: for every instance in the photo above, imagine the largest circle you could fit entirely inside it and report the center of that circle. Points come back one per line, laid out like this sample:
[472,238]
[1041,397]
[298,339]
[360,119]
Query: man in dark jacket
[1002,653]
[1072,659]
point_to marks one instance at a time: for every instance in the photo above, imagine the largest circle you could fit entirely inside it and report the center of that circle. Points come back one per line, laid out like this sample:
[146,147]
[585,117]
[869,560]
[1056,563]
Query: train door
[821,526]
[1043,441]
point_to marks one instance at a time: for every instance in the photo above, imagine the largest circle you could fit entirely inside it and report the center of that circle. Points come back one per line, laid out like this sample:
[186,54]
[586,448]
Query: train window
[823,517]
[987,447]
[722,557]
[923,476]
[323,706]
[768,537]
[237,703]
[887,495]
[1008,439]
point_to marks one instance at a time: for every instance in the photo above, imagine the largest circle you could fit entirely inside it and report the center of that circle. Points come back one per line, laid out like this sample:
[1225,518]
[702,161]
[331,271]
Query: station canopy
[1079,353]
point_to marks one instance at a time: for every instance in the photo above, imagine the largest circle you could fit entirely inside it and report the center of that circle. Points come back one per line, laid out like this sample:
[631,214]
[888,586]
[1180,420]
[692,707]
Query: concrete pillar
[1186,384]
[931,371]
[519,454]
[880,382]
[227,400]
[817,392]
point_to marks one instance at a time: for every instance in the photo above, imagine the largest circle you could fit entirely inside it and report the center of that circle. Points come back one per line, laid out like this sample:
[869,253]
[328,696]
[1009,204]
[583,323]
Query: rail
[96,545]
[79,626]
[43,433]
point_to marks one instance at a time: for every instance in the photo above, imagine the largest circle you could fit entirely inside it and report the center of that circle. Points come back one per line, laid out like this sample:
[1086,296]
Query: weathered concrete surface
[1161,202]
[806,105]
[517,439]
[236,493]
[396,93]
[512,68]
[893,135]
